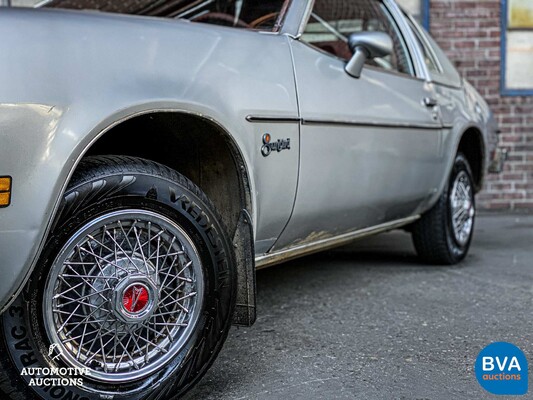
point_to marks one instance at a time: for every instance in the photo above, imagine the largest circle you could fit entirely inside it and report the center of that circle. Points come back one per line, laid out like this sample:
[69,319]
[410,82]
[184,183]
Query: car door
[370,147]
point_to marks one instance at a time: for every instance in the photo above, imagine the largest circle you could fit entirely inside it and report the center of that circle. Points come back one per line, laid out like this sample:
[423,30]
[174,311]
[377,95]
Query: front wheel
[132,296]
[444,233]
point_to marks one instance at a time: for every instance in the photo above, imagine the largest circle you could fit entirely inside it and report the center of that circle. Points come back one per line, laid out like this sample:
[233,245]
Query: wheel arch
[472,145]
[204,151]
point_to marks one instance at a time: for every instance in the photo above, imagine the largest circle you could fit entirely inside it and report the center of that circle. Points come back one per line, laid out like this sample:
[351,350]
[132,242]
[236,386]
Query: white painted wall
[519,74]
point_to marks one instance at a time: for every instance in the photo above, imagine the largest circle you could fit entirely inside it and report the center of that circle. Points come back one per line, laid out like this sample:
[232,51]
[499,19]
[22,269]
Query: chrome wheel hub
[135,298]
[462,208]
[123,295]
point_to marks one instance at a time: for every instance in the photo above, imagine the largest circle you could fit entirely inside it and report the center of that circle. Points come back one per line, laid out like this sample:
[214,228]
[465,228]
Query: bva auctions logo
[501,368]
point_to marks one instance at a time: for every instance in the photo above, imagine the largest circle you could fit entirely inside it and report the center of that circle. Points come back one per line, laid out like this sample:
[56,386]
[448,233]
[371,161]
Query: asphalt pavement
[369,321]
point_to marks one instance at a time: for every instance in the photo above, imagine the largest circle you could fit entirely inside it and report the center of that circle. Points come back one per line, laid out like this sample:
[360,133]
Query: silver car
[155,153]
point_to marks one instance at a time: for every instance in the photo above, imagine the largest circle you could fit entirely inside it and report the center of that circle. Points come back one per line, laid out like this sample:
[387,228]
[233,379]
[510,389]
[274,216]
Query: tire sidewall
[25,339]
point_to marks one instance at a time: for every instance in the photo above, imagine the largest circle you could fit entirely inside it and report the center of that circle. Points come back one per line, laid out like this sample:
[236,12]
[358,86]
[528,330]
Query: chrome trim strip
[264,118]
[305,19]
[313,121]
[446,85]
[408,35]
[295,16]
[372,124]
[267,260]
[397,74]
[422,38]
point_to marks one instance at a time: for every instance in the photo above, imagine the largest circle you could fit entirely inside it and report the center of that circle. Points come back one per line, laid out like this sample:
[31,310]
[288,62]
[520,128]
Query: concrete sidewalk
[368,321]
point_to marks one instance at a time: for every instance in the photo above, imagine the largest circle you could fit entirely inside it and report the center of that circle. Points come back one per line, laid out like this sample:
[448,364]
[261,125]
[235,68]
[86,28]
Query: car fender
[69,95]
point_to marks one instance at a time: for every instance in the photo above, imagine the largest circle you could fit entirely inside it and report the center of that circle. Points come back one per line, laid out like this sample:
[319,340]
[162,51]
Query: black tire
[101,185]
[433,235]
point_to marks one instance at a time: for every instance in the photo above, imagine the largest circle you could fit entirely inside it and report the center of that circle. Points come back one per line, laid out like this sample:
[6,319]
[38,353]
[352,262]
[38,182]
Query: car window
[332,21]
[447,74]
[429,57]
[251,14]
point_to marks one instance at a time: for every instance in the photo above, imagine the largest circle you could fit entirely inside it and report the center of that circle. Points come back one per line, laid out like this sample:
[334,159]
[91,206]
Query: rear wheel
[444,233]
[132,296]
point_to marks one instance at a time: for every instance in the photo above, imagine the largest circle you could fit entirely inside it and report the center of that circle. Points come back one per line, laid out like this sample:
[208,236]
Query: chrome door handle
[430,102]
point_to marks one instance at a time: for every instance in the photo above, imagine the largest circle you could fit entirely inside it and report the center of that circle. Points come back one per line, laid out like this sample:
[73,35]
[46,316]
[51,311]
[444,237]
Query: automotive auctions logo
[48,377]
[501,368]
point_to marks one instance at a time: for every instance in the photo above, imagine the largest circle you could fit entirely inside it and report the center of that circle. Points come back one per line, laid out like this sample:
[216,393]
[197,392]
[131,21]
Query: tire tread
[431,235]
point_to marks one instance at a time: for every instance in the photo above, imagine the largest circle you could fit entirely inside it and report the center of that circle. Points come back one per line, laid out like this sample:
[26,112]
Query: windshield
[251,14]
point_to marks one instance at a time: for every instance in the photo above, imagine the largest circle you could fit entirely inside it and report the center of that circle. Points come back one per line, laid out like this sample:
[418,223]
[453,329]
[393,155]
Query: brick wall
[469,32]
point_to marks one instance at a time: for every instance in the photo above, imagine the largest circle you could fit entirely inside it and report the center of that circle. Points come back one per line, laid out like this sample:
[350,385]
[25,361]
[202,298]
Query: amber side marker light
[5,191]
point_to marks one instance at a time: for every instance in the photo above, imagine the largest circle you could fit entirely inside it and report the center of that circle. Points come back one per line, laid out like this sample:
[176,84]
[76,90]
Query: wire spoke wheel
[462,208]
[123,295]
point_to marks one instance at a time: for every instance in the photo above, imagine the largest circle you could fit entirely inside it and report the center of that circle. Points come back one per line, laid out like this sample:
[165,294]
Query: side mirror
[367,45]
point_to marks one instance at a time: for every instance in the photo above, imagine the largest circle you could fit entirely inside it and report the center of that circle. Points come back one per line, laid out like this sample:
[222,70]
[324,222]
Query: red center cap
[135,298]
